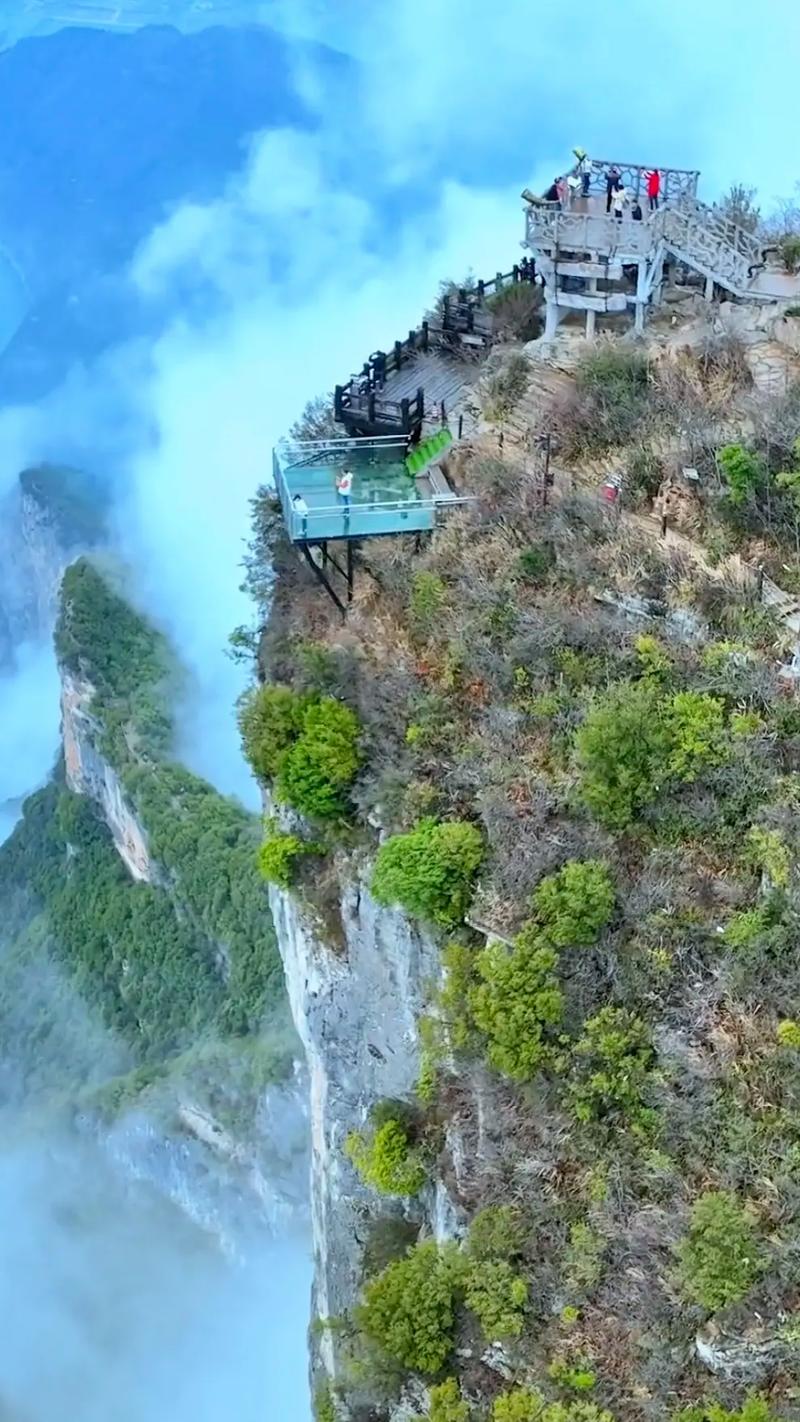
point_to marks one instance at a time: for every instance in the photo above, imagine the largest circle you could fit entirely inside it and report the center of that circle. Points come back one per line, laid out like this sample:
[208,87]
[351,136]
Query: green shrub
[789,248]
[788,1034]
[497,1295]
[431,870]
[622,752]
[611,1059]
[270,720]
[507,386]
[524,1405]
[720,1257]
[385,1159]
[583,1262]
[428,598]
[458,964]
[409,1310]
[517,999]
[610,403]
[754,1409]
[446,1403]
[695,725]
[496,1232]
[653,657]
[574,905]
[277,856]
[743,471]
[770,853]
[535,562]
[317,771]
[745,927]
[643,477]
[517,311]
[324,1405]
[573,1374]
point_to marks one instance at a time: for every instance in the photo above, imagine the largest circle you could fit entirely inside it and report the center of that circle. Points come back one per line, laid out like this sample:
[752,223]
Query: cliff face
[45,521]
[89,774]
[356,1009]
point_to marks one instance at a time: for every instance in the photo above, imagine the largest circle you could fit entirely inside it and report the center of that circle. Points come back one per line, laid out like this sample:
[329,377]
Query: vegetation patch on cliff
[600,723]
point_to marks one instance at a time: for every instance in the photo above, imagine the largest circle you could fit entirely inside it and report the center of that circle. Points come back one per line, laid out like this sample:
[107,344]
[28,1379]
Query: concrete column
[709,289]
[552,317]
[591,321]
[641,285]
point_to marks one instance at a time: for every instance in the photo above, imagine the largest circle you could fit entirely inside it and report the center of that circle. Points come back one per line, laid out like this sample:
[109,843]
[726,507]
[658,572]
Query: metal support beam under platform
[319,569]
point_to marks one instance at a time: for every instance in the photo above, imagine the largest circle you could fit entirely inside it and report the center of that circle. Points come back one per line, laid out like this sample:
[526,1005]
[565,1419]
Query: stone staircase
[721,251]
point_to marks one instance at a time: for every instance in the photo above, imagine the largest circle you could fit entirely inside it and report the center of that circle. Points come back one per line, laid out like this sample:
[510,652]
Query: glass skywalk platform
[386,497]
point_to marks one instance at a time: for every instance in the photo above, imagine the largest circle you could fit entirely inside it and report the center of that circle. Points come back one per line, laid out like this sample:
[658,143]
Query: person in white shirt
[344,488]
[300,510]
[619,200]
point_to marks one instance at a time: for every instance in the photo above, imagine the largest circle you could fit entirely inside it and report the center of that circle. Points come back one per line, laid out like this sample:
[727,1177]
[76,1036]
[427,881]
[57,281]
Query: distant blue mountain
[99,134]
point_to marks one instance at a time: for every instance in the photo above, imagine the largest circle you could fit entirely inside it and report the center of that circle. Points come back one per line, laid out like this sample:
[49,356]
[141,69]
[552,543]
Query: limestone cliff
[356,1007]
[90,774]
[46,519]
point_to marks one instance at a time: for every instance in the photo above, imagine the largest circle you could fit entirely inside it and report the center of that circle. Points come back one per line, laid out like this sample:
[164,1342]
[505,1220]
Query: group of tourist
[619,199]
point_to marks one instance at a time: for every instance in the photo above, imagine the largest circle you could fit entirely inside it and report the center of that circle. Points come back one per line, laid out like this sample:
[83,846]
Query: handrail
[675,182]
[300,525]
[340,442]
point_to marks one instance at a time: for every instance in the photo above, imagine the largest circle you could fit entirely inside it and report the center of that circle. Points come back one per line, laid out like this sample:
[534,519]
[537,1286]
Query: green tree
[695,725]
[277,856]
[525,1405]
[270,720]
[447,1405]
[743,471]
[497,1295]
[409,1310]
[622,752]
[316,772]
[516,1001]
[720,1256]
[611,1062]
[385,1159]
[575,904]
[754,1409]
[496,1232]
[431,870]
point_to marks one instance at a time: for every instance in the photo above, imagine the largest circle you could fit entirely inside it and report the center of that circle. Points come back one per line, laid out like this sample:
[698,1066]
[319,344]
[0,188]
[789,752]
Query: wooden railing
[463,312]
[360,405]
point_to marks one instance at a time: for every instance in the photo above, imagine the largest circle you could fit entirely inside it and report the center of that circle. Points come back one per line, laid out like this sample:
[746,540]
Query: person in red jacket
[653,188]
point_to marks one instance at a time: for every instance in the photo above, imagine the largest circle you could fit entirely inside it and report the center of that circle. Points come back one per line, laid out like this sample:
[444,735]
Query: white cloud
[296,293]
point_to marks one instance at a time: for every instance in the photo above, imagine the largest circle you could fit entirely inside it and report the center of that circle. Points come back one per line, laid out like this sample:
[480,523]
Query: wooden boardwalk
[443,378]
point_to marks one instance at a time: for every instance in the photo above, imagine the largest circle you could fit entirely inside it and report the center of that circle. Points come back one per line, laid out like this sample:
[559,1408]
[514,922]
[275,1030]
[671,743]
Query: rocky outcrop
[89,773]
[36,545]
[356,1009]
[231,1185]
